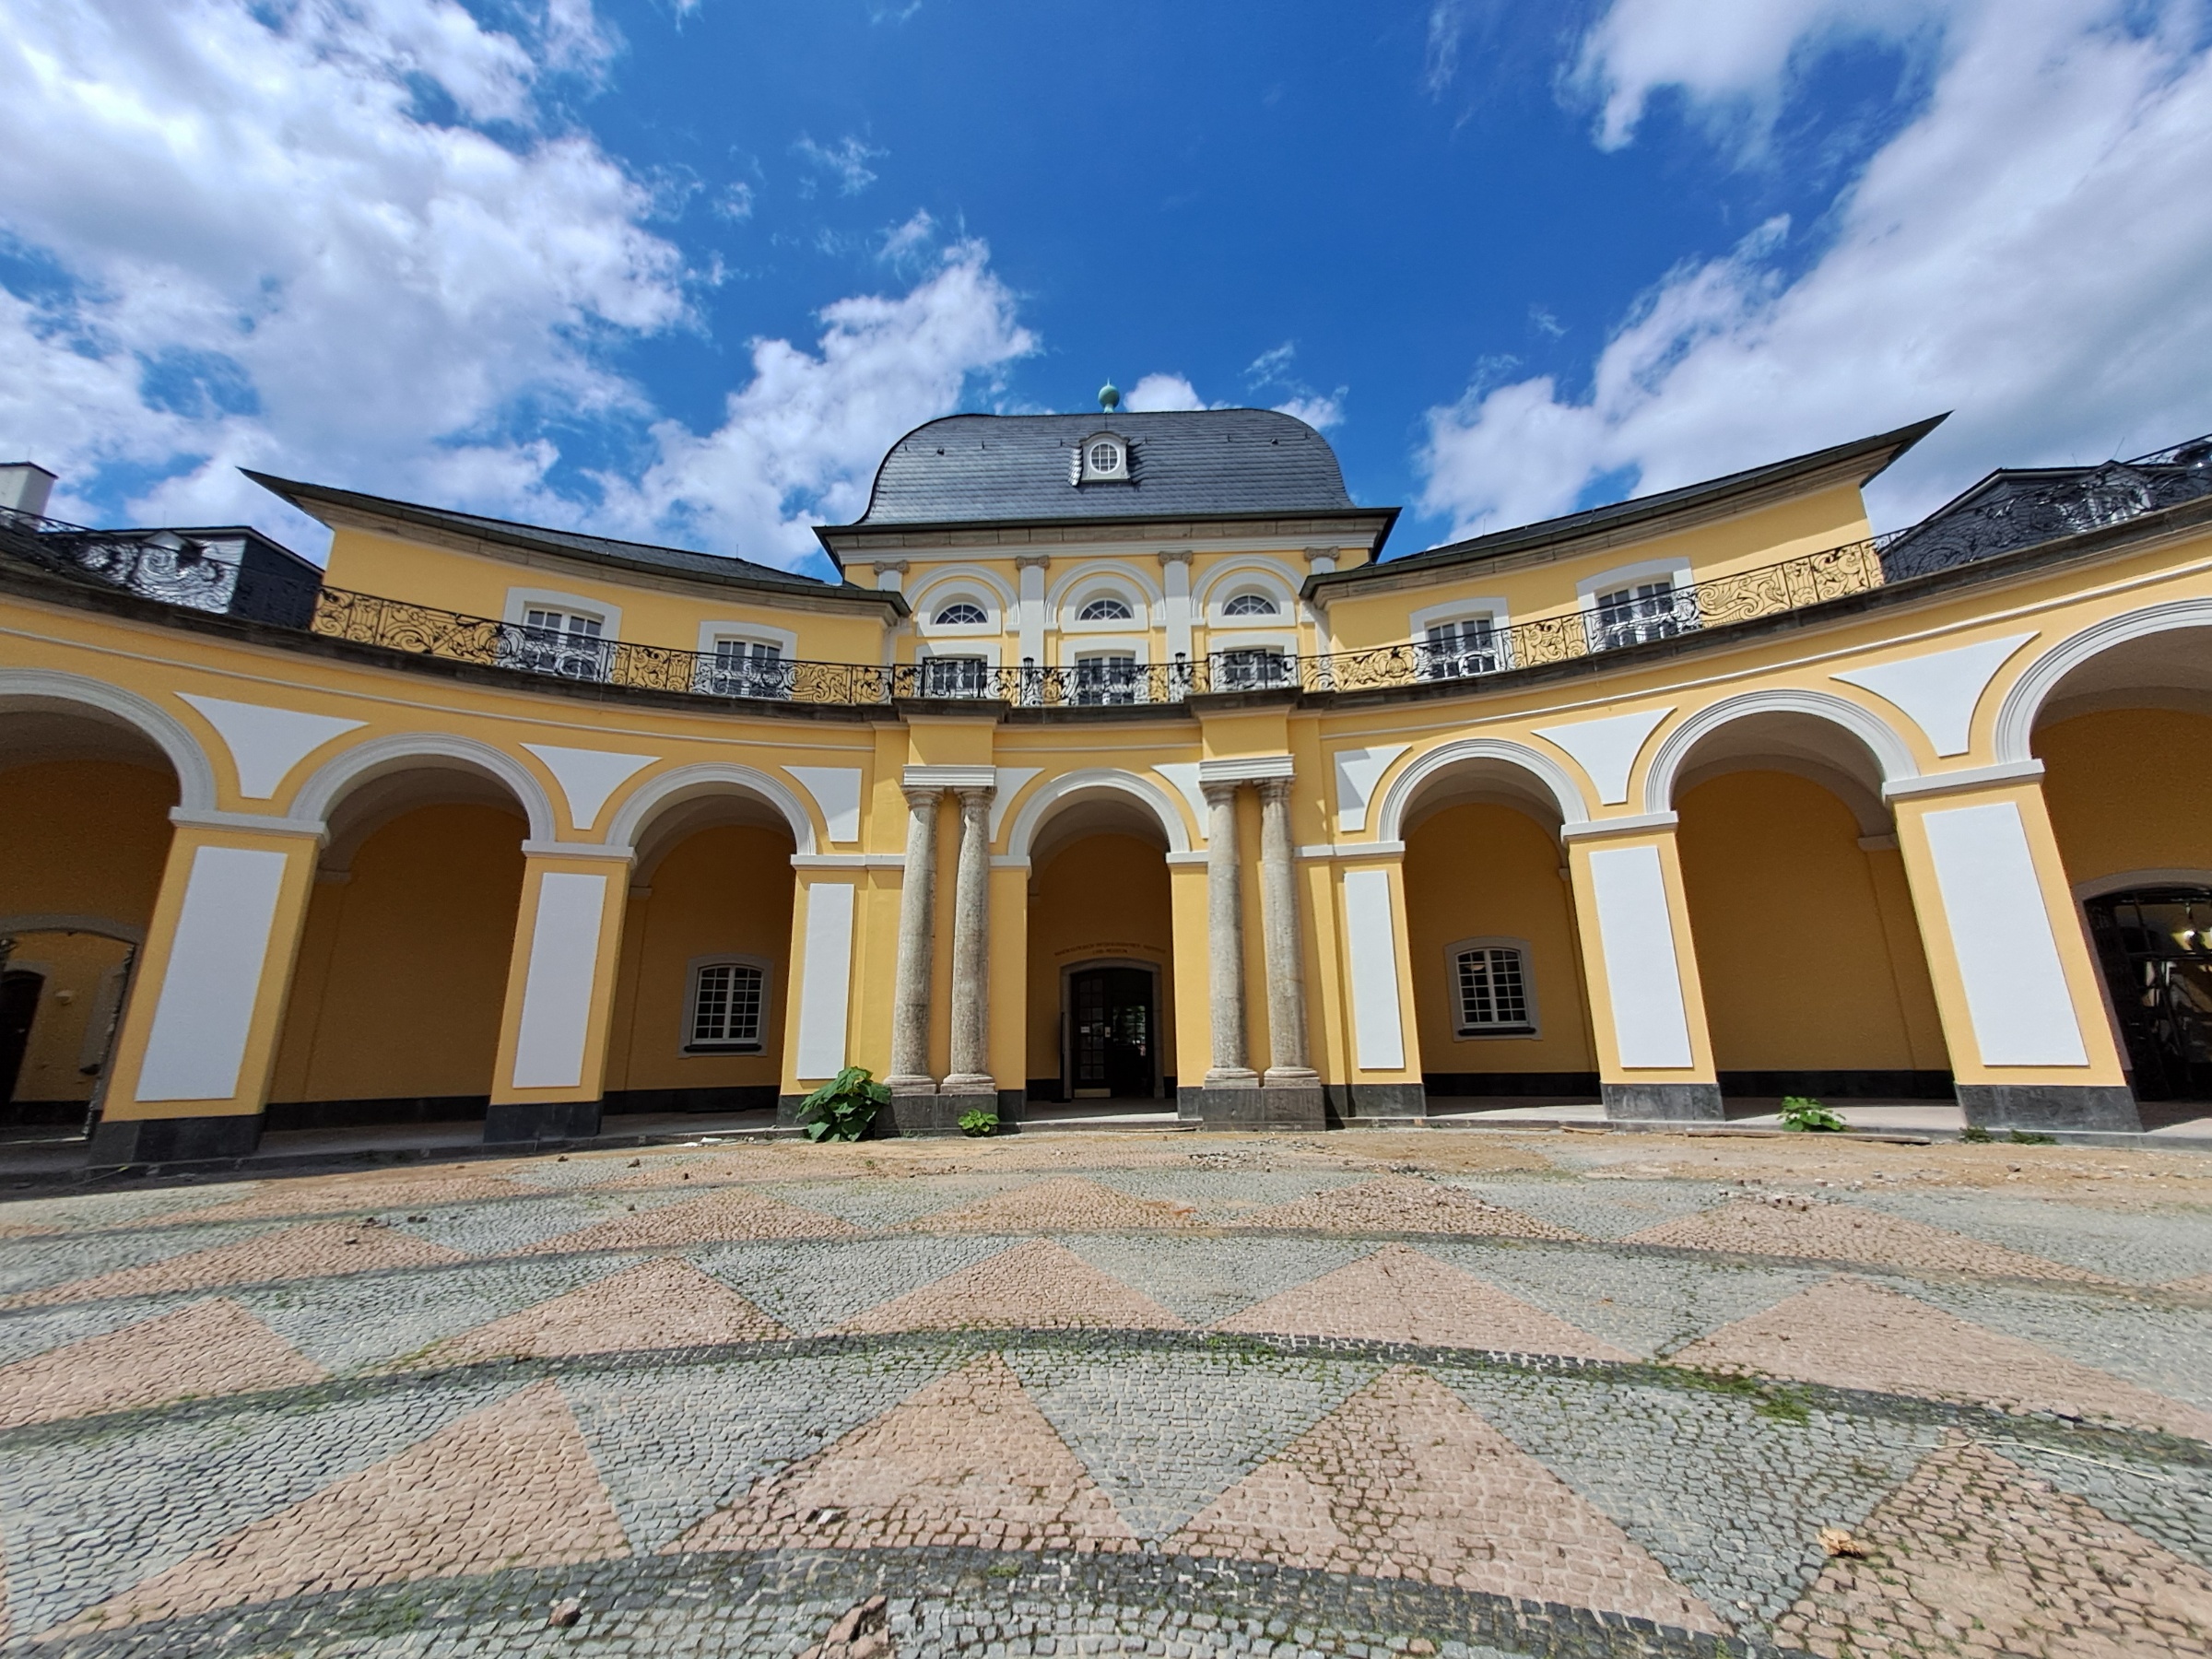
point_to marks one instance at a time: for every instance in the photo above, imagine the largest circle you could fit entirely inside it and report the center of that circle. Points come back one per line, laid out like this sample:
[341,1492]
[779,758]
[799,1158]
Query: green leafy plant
[1974,1133]
[842,1107]
[976,1121]
[1803,1114]
[2021,1138]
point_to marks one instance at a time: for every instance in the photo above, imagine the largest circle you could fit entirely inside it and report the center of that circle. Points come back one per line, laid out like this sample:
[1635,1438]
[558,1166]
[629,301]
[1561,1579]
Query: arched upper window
[1109,609]
[962,613]
[1249,604]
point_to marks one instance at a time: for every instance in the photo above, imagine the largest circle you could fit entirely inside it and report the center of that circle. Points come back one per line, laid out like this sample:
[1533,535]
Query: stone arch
[2017,713]
[402,751]
[1881,741]
[1072,786]
[38,688]
[686,783]
[1405,790]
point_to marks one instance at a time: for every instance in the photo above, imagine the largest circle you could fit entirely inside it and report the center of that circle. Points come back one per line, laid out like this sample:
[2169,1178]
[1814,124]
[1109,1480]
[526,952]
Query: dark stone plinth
[537,1121]
[1376,1103]
[1661,1102]
[2045,1106]
[119,1144]
[925,1114]
[1262,1108]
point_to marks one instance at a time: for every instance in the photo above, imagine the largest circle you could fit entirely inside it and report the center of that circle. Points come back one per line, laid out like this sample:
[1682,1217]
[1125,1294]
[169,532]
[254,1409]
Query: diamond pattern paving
[662,1303]
[967,1460]
[210,1348]
[355,1193]
[816,1286]
[1399,1295]
[1203,1280]
[1972,1555]
[1850,1333]
[308,1251]
[510,1486]
[1401,1203]
[1037,1285]
[1404,1479]
[1069,1205]
[714,1216]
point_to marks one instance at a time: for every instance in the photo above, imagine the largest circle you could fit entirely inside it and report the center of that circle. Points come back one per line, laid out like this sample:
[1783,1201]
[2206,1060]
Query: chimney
[24,486]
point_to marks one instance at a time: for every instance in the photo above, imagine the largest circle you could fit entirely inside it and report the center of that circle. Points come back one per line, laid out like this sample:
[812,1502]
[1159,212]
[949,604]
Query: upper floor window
[1490,991]
[1640,612]
[1101,458]
[1456,649]
[1249,604]
[727,1002]
[1251,670]
[563,642]
[1108,676]
[955,677]
[1109,609]
[1105,458]
[748,668]
[962,613]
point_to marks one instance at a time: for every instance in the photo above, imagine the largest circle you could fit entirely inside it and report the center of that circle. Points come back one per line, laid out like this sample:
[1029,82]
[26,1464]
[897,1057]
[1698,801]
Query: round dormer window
[1105,458]
[1249,605]
[1109,609]
[962,613]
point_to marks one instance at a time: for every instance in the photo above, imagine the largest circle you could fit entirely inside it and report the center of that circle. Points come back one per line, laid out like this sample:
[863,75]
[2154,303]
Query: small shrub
[2021,1138]
[976,1121]
[1974,1133]
[1804,1115]
[842,1107]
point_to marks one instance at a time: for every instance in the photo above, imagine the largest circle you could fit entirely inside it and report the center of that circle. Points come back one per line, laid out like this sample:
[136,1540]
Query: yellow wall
[1103,896]
[85,837]
[2129,788]
[720,891]
[1796,963]
[403,967]
[1480,871]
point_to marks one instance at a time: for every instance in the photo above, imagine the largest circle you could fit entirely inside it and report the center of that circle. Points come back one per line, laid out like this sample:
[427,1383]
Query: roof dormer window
[1102,458]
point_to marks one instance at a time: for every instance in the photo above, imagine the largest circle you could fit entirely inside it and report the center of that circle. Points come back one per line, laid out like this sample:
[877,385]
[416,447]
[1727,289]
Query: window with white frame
[962,613]
[728,1006]
[955,677]
[1493,992]
[1102,459]
[1107,676]
[1107,608]
[748,668]
[1463,646]
[567,643]
[1250,605]
[1640,611]
[1250,668]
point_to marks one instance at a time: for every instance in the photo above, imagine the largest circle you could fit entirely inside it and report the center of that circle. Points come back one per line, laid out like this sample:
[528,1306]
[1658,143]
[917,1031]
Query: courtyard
[1425,1393]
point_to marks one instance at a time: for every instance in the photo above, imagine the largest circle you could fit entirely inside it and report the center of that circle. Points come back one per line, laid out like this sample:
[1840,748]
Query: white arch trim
[1254,568]
[2024,701]
[1390,820]
[951,576]
[68,922]
[1039,807]
[1888,748]
[338,775]
[1103,572]
[636,812]
[195,772]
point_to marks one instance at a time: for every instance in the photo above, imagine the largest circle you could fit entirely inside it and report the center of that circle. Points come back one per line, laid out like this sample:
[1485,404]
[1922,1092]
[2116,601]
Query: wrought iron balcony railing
[164,566]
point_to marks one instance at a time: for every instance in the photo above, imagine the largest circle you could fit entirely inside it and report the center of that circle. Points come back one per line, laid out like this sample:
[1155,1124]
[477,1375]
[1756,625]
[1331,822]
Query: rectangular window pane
[1492,988]
[1457,650]
[726,1005]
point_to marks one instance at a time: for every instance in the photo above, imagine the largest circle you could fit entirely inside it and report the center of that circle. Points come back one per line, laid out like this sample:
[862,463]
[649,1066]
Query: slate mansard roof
[968,469]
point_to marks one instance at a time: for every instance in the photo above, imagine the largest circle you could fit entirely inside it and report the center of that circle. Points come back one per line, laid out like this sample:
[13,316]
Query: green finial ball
[1110,397]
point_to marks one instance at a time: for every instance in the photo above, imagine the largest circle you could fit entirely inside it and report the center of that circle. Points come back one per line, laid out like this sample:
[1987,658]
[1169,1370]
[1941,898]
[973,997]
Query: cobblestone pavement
[1466,1395]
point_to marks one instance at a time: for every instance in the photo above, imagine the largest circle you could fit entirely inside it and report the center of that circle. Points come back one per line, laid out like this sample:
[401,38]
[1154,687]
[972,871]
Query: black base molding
[744,1097]
[537,1121]
[1262,1108]
[27,1113]
[1838,1085]
[1375,1102]
[2108,1108]
[369,1114]
[119,1144]
[1463,1085]
[1661,1102]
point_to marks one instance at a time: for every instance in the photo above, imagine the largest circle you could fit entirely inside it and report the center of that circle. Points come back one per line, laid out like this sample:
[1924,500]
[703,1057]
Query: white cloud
[252,247]
[799,444]
[904,244]
[1163,392]
[846,161]
[2032,249]
[1320,413]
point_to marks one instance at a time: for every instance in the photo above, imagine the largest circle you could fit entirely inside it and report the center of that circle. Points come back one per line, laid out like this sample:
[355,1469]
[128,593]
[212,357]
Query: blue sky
[682,271]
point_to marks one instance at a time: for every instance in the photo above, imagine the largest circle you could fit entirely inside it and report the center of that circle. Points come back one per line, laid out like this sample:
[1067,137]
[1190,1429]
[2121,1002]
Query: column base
[1377,1103]
[1247,1107]
[1290,1076]
[941,1113]
[969,1083]
[1661,1102]
[132,1141]
[914,1085]
[2106,1107]
[540,1120]
[1232,1077]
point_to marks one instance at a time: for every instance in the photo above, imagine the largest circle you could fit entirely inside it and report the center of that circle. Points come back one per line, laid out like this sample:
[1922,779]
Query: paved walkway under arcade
[1548,1393]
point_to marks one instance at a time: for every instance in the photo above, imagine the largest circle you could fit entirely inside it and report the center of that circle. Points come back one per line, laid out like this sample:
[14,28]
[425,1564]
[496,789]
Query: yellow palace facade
[1120,764]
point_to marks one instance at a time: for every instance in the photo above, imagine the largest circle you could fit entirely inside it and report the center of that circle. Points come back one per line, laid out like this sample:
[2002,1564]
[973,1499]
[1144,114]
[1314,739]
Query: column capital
[975,795]
[1219,791]
[922,796]
[1175,556]
[1032,562]
[1959,782]
[1275,789]
[1245,768]
[949,777]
